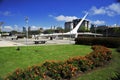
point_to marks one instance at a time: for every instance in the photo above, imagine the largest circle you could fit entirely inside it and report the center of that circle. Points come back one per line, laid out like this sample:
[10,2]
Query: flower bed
[64,70]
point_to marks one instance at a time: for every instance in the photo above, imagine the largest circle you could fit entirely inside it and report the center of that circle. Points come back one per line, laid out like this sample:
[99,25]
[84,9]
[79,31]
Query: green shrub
[81,63]
[53,69]
[32,73]
[118,49]
[58,70]
[99,56]
[108,42]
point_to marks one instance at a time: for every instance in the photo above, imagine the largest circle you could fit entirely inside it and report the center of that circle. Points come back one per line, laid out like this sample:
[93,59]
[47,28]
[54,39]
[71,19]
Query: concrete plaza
[5,42]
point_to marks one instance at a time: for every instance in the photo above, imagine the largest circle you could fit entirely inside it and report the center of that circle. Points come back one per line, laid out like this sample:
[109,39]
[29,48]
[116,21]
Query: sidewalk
[4,43]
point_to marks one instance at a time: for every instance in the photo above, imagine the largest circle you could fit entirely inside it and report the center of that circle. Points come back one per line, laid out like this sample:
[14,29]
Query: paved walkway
[4,43]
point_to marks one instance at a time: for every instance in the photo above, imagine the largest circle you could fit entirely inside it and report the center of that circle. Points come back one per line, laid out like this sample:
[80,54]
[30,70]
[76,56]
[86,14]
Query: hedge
[64,70]
[108,42]
[118,49]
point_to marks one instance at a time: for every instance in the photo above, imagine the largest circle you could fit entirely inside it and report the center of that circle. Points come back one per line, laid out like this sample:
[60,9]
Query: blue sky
[47,13]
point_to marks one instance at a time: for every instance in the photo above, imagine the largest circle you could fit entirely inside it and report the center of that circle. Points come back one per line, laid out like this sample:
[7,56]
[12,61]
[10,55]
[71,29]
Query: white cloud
[34,28]
[98,22]
[7,28]
[6,13]
[110,10]
[98,11]
[115,7]
[65,18]
[17,28]
[47,27]
[110,13]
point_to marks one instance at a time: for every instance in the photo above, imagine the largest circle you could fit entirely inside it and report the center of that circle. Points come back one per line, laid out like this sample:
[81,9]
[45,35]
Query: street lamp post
[95,30]
[26,20]
[70,34]
[107,31]
[71,27]
[1,23]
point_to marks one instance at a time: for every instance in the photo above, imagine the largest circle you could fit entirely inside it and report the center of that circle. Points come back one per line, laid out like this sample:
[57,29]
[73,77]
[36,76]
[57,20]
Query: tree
[35,32]
[116,29]
[13,32]
[60,29]
[48,31]
[83,29]
[92,29]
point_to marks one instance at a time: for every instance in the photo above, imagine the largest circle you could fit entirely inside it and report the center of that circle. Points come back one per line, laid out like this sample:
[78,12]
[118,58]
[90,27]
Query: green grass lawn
[11,59]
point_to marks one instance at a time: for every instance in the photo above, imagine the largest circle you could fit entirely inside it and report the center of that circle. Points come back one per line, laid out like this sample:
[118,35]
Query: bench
[14,38]
[40,42]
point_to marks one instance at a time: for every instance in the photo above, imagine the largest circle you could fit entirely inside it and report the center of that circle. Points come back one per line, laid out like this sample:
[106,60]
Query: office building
[72,24]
